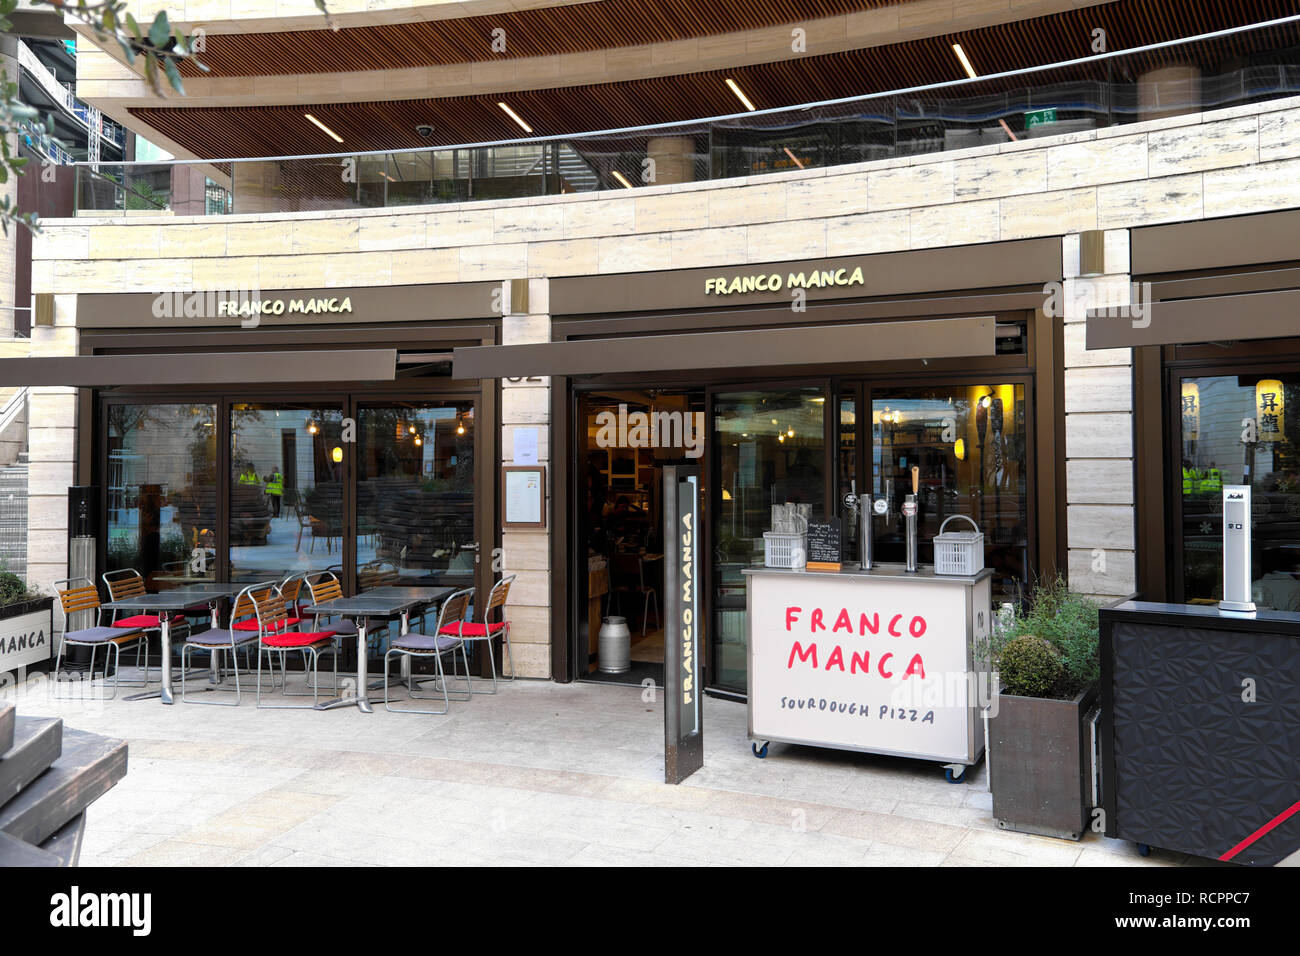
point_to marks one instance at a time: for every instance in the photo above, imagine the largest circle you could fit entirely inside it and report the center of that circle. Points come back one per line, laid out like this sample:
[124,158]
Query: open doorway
[625,437]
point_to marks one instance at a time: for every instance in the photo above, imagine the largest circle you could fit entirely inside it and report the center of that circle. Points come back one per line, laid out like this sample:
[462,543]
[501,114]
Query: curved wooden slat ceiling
[539,32]
[281,130]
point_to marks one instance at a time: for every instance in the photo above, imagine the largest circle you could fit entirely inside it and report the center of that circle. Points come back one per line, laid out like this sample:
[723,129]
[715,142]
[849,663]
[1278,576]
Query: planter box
[26,633]
[1040,764]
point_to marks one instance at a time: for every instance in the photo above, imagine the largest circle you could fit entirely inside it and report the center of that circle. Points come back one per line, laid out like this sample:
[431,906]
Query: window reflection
[969,443]
[162,492]
[1240,430]
[415,494]
[286,489]
[771,451]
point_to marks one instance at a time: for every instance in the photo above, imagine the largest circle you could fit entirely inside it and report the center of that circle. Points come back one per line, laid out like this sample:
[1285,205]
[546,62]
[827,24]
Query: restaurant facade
[1064,335]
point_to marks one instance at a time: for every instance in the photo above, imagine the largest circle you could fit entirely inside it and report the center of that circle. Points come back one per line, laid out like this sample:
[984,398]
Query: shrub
[13,589]
[1029,666]
[1068,622]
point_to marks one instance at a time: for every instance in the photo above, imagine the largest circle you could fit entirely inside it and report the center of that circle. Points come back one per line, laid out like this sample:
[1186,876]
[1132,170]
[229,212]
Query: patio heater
[83,530]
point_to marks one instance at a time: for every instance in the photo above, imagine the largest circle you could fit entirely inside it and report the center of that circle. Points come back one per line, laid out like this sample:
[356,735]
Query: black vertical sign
[683,634]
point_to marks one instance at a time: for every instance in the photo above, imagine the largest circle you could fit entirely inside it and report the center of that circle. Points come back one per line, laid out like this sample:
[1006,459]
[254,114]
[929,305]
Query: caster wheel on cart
[1143,849]
[759,752]
[955,776]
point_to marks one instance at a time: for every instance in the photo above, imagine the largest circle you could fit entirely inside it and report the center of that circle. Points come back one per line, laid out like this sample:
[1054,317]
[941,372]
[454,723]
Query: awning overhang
[203,368]
[753,348]
[1223,318]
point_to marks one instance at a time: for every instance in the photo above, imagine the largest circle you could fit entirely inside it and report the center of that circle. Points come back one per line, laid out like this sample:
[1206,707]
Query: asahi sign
[683,726]
[25,639]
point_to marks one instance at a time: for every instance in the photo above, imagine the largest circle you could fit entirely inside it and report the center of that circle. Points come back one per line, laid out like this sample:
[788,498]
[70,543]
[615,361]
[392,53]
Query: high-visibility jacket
[276,485]
[1212,482]
[248,478]
[1191,478]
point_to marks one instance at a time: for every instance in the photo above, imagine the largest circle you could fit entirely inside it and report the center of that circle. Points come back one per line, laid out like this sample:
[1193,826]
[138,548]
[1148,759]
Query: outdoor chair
[486,631]
[80,594]
[218,640]
[435,645]
[128,583]
[275,637]
[325,586]
[629,578]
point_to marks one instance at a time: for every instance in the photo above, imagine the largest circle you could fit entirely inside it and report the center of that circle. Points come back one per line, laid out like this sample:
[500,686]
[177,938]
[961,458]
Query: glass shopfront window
[161,488]
[286,489]
[969,444]
[415,494]
[770,452]
[1239,429]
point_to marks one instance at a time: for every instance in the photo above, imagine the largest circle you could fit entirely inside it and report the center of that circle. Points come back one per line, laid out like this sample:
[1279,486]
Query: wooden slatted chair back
[325,588]
[124,584]
[272,611]
[500,594]
[245,603]
[81,595]
[454,608]
[291,588]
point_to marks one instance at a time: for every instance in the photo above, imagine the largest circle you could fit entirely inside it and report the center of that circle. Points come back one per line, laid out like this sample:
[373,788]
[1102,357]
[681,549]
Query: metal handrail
[722,118]
[16,403]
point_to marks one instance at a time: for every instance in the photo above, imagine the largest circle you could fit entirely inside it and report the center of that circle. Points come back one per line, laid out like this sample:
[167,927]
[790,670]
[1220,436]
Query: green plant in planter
[1068,623]
[1029,666]
[14,590]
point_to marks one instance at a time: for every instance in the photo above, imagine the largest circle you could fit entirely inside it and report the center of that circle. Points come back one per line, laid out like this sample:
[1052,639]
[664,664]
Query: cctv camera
[425,130]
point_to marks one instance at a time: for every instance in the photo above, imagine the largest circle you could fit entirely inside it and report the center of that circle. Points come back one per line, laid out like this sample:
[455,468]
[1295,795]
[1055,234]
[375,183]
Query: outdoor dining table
[384,603]
[166,603]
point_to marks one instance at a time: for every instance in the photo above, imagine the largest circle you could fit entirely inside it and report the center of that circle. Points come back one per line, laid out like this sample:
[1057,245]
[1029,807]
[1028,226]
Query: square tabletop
[420,593]
[176,598]
[364,605]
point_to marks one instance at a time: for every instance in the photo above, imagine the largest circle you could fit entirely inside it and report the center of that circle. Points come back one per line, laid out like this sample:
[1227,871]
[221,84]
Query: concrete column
[674,159]
[1169,90]
[52,454]
[1099,495]
[527,405]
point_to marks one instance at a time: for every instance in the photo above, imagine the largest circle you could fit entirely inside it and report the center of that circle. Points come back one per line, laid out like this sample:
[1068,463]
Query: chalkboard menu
[824,545]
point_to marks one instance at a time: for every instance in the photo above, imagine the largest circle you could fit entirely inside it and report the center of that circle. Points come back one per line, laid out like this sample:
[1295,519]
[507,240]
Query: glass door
[1238,428]
[769,450]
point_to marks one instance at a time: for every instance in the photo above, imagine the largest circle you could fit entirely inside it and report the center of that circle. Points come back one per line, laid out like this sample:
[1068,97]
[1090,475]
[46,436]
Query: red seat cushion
[297,638]
[145,620]
[251,624]
[470,629]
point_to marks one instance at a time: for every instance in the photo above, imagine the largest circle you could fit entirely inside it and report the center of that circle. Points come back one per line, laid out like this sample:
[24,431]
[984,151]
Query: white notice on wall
[523,497]
[525,446]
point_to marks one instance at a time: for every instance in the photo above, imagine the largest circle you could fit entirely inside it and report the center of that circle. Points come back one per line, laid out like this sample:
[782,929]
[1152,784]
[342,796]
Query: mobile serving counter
[878,661]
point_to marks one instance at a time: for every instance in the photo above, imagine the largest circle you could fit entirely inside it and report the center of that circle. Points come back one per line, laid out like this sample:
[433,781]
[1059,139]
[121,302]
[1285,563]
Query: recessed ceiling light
[740,94]
[329,132]
[965,62]
[515,116]
[622,179]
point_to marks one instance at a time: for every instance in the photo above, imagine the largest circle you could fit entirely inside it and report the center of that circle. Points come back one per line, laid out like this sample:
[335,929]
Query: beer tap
[861,505]
[909,515]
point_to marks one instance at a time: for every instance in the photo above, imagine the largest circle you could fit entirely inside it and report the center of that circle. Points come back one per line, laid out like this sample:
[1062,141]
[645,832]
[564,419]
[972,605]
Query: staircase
[13,516]
[49,775]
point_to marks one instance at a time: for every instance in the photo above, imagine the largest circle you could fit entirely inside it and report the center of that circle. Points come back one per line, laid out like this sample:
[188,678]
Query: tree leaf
[161,29]
[173,75]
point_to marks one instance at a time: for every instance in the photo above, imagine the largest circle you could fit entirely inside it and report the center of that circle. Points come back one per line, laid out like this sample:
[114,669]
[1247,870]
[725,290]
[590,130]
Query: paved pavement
[542,774]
